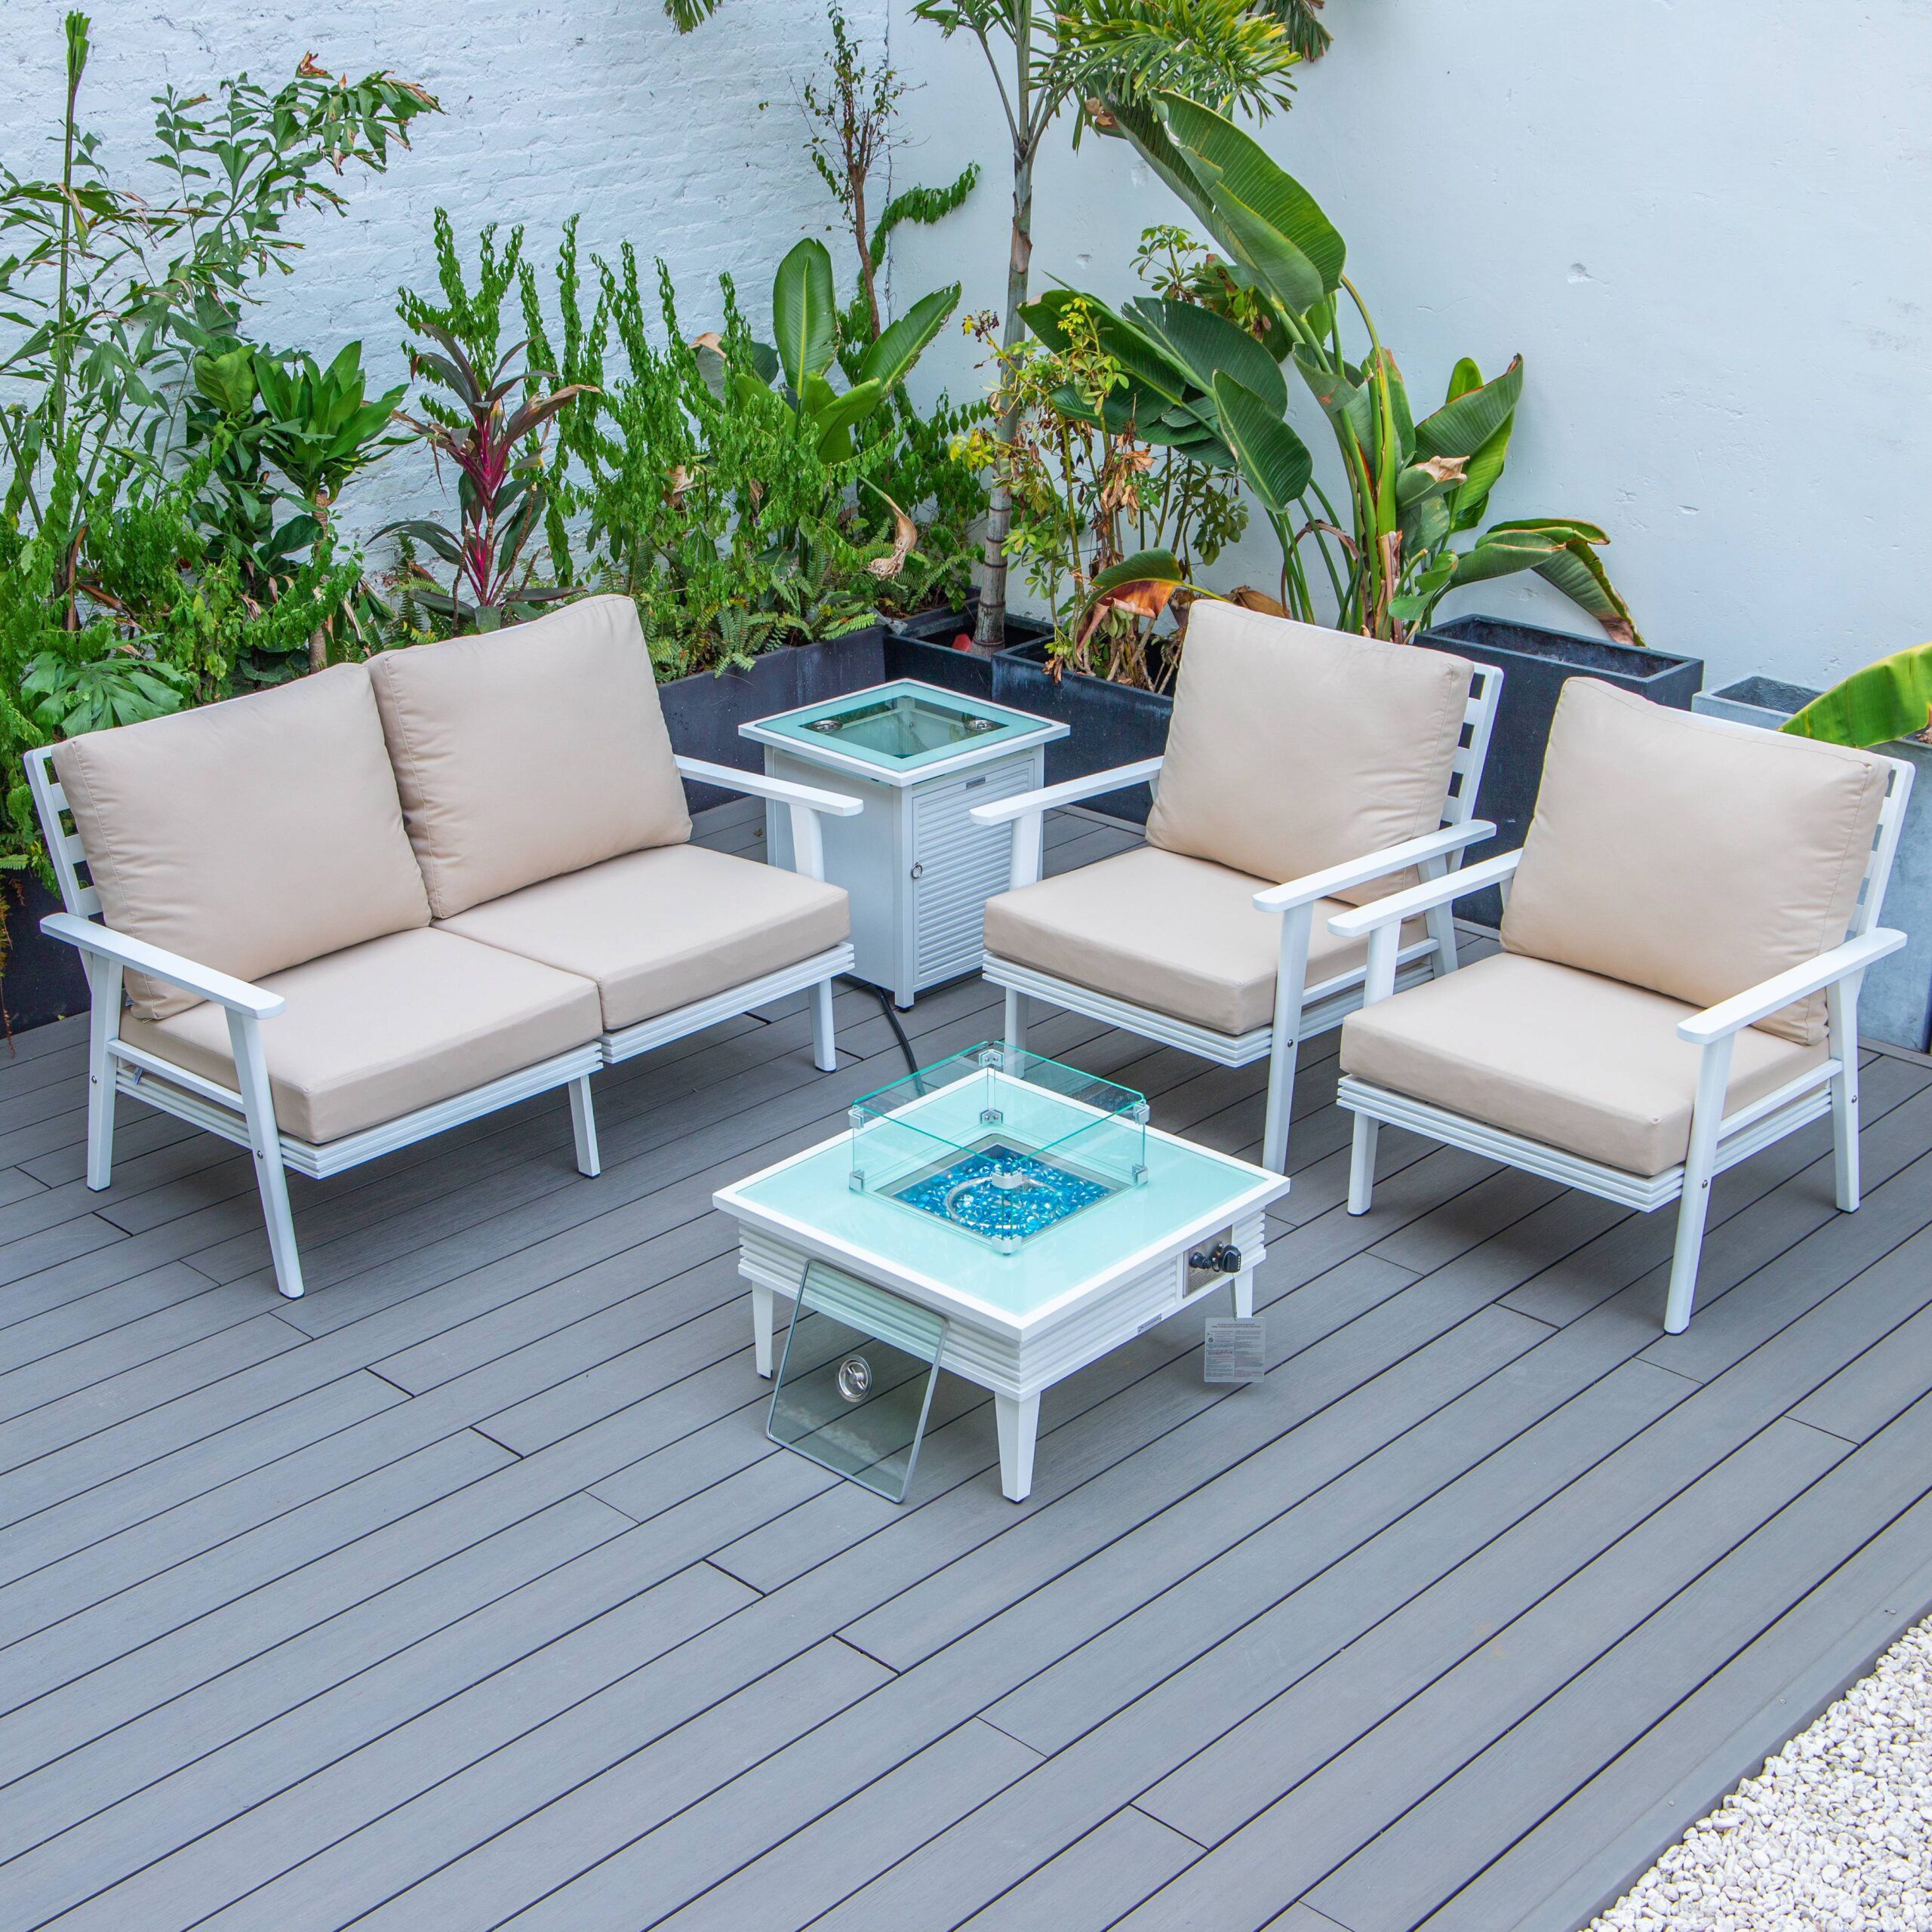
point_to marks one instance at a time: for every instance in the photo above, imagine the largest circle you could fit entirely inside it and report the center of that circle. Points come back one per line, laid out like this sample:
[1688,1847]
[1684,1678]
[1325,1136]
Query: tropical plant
[1891,699]
[1203,371]
[494,441]
[805,318]
[290,435]
[118,602]
[111,291]
[1042,59]
[1093,502]
[1097,55]
[850,114]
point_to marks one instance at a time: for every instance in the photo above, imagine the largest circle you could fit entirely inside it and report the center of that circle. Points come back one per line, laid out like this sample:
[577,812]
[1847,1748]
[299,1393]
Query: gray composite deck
[467,1591]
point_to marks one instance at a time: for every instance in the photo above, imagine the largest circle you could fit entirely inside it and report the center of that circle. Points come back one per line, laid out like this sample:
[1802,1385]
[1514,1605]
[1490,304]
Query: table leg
[1244,1294]
[761,1313]
[1019,1419]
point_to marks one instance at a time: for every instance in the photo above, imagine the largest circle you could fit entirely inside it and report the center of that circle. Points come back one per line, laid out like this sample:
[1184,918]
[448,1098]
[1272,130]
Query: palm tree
[1106,55]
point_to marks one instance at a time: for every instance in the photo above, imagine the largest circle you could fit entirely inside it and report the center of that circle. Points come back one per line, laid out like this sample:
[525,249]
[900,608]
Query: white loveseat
[327,920]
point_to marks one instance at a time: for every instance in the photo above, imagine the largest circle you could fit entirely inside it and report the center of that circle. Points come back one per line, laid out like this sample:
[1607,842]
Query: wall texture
[687,147]
[1704,226]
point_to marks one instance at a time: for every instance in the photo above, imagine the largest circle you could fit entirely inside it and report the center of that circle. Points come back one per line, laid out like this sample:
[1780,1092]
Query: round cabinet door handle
[919,870]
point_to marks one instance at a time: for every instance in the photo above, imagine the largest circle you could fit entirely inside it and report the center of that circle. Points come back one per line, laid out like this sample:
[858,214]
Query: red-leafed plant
[494,440]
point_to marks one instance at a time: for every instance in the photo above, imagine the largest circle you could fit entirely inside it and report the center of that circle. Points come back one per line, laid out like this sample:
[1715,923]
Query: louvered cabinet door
[958,865]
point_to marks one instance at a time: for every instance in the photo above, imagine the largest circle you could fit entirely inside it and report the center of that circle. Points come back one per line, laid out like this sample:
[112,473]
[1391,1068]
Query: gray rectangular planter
[1536,664]
[1896,1003]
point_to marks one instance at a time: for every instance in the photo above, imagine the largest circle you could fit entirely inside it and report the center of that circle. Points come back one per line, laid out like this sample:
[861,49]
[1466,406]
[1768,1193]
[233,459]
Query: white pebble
[1834,1833]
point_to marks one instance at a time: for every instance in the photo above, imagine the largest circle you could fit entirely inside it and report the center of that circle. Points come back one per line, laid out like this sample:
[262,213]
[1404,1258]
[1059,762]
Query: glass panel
[902,726]
[856,1382]
[999,1142]
[899,727]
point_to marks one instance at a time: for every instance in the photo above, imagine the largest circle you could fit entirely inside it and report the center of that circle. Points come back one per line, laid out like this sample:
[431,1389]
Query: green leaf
[1346,403]
[1277,228]
[1891,699]
[1274,461]
[1154,567]
[805,311]
[835,420]
[1462,426]
[1207,344]
[1150,370]
[1494,556]
[902,342]
[1578,572]
[228,380]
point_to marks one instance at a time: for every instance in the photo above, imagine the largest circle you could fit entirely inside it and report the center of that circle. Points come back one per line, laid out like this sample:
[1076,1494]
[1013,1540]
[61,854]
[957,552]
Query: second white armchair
[1305,771]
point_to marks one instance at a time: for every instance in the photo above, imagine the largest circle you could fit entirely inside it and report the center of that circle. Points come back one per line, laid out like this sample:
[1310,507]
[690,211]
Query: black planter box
[933,660]
[44,978]
[702,712]
[1110,723]
[1536,664]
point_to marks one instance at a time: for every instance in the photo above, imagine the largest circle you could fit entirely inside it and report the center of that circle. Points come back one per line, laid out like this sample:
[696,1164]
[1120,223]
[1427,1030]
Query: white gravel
[1835,1835]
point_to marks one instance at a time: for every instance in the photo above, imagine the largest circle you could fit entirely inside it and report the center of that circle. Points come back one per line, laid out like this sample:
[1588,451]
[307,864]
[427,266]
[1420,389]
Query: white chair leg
[1016,1018]
[1440,920]
[1713,1078]
[764,1320]
[583,1128]
[1290,984]
[104,1026]
[1362,1164]
[1019,1419]
[251,1078]
[1281,1104]
[1841,1004]
[825,1047]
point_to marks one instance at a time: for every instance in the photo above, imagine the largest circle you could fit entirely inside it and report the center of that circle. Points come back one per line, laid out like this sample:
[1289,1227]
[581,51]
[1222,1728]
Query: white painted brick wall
[688,147]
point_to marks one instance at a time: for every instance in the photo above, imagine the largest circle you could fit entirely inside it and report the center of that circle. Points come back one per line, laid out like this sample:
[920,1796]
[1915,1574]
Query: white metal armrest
[1027,813]
[803,803]
[1376,864]
[1759,1002]
[755,784]
[1423,898]
[204,981]
[1068,792]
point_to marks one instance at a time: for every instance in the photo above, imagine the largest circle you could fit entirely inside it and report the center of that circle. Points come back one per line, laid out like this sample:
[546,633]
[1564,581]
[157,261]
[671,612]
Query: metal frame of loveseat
[244,1115]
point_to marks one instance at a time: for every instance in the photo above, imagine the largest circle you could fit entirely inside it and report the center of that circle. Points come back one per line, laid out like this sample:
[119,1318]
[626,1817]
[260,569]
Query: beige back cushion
[249,836]
[1293,748]
[529,751]
[1673,852]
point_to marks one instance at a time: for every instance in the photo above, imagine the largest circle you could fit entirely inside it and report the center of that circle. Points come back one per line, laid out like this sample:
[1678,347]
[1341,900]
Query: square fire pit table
[1002,1216]
[920,871]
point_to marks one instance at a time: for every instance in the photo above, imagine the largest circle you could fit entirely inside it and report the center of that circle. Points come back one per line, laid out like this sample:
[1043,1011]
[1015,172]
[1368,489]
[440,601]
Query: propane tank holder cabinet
[919,871]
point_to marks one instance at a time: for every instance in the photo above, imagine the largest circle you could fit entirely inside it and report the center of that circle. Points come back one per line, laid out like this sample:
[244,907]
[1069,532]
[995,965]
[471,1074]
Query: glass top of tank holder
[998,1144]
[899,726]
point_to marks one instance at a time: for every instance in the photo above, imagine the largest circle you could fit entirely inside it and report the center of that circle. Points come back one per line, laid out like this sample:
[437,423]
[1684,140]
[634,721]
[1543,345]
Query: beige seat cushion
[657,930]
[382,1028]
[1177,935]
[1564,1057]
[1687,856]
[529,751]
[248,835]
[1294,747]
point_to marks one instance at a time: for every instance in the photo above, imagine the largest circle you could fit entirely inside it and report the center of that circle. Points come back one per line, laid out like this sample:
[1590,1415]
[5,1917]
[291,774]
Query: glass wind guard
[903,726]
[999,1142]
[855,1384]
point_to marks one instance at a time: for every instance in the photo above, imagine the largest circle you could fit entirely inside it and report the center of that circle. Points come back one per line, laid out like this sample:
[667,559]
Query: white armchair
[1303,767]
[1685,931]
